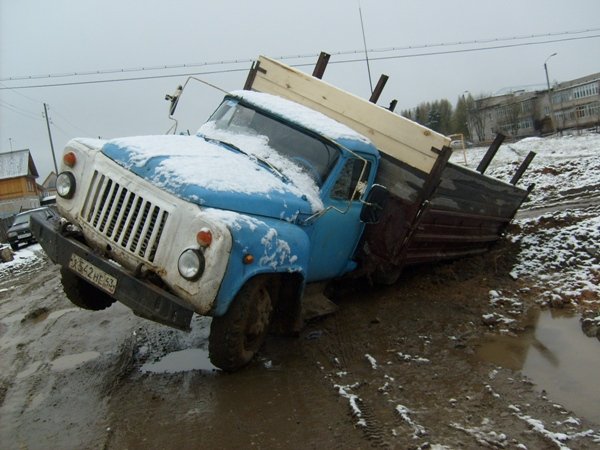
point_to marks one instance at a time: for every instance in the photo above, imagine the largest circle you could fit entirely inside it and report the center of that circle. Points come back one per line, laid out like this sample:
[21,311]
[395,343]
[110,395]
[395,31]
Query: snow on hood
[211,174]
[306,117]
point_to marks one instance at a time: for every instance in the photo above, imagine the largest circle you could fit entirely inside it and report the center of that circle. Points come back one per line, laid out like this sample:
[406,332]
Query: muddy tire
[83,294]
[238,335]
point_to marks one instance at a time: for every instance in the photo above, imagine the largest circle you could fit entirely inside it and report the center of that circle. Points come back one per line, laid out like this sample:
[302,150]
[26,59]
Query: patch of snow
[353,400]
[306,117]
[404,412]
[23,257]
[258,146]
[191,160]
[88,142]
[410,358]
[277,251]
[372,361]
[484,436]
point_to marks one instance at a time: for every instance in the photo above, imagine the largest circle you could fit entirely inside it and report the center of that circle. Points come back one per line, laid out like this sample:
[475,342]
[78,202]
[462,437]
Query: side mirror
[174,99]
[374,205]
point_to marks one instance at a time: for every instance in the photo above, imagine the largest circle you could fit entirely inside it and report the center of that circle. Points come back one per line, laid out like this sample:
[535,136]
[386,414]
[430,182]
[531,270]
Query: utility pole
[550,93]
[50,137]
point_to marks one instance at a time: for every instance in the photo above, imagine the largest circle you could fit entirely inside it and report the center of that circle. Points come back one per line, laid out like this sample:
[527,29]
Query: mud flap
[315,303]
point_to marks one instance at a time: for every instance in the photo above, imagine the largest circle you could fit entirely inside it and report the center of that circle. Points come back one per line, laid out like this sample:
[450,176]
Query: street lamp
[549,93]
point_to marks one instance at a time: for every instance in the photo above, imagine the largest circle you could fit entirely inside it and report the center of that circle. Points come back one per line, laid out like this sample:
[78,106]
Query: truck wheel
[83,294]
[236,336]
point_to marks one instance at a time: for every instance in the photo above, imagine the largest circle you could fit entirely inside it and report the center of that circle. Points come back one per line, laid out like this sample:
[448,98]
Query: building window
[589,110]
[526,106]
[586,90]
[525,124]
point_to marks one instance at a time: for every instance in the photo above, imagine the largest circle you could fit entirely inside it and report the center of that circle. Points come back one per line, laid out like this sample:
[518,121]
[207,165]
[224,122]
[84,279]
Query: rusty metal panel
[460,213]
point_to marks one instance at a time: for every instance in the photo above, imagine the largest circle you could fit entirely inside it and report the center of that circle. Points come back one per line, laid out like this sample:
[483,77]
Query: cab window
[355,171]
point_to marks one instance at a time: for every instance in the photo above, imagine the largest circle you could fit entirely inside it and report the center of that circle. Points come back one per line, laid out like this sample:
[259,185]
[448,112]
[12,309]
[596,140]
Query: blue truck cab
[232,222]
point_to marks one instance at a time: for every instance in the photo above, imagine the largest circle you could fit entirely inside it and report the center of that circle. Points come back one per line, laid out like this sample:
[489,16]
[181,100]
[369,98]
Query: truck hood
[214,175]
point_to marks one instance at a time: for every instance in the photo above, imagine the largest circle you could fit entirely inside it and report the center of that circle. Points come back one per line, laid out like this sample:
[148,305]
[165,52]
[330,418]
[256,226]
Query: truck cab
[232,222]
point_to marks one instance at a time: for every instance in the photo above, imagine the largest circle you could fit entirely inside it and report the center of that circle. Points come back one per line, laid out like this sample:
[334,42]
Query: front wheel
[83,294]
[238,335]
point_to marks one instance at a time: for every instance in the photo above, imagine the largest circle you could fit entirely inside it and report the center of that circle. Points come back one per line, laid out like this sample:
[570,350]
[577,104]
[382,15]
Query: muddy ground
[485,352]
[395,367]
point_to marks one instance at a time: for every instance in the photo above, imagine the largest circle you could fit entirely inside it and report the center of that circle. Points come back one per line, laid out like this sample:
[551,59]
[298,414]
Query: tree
[477,115]
[436,115]
[460,118]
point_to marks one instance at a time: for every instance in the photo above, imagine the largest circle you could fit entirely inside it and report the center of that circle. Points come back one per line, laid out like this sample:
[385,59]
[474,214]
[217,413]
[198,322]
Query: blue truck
[269,197]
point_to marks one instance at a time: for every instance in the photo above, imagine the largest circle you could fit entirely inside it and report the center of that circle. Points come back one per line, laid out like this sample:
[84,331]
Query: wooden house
[18,188]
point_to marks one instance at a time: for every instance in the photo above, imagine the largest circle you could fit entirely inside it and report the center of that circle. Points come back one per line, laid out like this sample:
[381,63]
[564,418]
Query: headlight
[65,184]
[12,234]
[191,264]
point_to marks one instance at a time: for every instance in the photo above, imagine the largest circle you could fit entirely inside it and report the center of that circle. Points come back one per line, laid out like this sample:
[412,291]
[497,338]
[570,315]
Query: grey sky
[65,36]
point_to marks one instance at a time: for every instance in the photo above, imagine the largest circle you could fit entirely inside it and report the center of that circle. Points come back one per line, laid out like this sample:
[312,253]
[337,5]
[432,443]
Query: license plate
[92,274]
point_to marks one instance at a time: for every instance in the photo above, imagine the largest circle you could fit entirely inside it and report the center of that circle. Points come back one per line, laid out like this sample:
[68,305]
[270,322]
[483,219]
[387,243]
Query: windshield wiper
[251,156]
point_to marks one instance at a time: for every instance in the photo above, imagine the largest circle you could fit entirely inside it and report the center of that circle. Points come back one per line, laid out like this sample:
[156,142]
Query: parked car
[20,232]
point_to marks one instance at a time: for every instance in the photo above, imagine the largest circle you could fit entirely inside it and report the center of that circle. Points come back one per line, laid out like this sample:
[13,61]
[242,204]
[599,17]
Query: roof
[17,164]
[50,181]
[577,81]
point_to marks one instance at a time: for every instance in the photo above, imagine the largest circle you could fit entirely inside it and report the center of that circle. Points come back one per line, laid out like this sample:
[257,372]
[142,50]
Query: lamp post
[549,93]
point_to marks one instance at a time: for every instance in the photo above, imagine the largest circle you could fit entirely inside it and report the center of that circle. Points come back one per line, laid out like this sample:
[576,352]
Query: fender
[273,246]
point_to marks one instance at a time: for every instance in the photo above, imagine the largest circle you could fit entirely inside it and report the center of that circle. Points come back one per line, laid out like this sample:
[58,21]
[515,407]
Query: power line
[300,56]
[347,61]
[18,110]
[37,102]
[71,124]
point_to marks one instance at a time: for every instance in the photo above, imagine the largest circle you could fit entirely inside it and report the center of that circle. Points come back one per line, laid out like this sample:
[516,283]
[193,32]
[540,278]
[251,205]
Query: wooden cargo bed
[436,210]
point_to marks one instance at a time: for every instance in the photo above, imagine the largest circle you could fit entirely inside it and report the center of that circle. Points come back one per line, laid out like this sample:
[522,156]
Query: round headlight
[191,264]
[65,184]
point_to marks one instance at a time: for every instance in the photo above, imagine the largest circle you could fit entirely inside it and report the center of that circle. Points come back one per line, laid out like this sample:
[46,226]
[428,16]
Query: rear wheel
[238,335]
[82,293]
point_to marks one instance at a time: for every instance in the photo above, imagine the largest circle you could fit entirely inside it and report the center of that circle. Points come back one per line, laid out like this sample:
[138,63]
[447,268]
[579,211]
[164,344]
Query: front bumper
[145,299]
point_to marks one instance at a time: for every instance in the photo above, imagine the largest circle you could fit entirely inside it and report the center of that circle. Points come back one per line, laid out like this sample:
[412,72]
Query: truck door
[336,233]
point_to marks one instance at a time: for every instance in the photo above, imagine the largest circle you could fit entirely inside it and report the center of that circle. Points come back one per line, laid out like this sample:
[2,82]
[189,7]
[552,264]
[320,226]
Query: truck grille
[124,217]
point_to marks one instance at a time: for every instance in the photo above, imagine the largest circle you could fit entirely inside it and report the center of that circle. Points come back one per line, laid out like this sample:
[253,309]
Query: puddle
[71,361]
[181,361]
[557,356]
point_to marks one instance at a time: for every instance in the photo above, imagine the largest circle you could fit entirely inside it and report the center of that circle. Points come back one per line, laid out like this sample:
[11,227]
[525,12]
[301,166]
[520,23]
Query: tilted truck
[291,182]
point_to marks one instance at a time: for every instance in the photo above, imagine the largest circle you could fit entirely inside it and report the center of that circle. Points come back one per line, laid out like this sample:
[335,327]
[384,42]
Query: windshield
[311,155]
[22,218]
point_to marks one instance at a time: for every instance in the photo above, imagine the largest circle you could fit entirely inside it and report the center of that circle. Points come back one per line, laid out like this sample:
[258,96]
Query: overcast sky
[41,41]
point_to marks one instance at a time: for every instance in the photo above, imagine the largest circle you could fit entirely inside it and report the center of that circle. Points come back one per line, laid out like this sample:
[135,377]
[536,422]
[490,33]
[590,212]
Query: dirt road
[486,352]
[394,367]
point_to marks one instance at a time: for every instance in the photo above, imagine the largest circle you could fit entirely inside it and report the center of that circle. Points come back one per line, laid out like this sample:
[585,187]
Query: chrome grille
[124,217]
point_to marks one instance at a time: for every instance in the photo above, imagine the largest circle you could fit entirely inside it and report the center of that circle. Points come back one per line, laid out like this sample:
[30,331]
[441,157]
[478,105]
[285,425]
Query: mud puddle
[181,361]
[556,356]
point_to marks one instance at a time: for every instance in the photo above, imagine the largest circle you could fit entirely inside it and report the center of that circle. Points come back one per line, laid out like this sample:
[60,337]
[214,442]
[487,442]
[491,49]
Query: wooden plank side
[395,135]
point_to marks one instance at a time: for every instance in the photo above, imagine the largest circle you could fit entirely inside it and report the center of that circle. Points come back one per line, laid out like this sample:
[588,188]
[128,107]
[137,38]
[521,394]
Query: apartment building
[569,105]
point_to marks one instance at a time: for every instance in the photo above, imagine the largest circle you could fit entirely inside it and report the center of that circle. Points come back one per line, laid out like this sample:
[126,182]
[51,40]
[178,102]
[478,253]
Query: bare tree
[477,111]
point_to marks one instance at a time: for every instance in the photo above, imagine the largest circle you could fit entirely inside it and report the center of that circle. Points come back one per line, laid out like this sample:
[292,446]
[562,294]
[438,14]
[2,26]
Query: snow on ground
[24,258]
[558,251]
[558,228]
